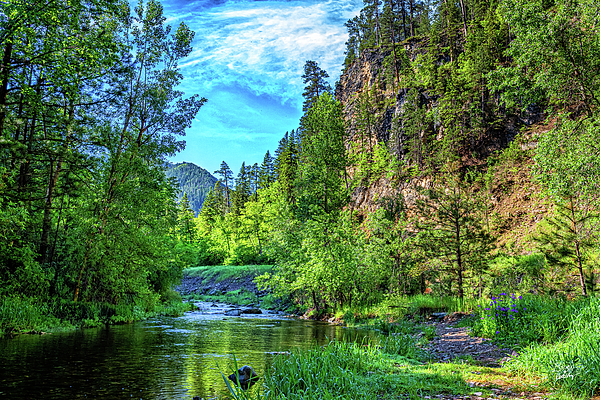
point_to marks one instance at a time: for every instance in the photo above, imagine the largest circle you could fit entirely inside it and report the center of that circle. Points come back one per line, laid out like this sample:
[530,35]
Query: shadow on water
[162,358]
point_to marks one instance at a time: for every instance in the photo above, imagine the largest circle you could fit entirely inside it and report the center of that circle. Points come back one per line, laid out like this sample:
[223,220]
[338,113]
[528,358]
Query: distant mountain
[193,180]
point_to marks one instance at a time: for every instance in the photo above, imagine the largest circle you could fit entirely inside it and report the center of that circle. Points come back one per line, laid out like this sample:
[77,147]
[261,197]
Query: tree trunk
[52,182]
[577,250]
[464,16]
[459,263]
[4,74]
[412,17]
[394,44]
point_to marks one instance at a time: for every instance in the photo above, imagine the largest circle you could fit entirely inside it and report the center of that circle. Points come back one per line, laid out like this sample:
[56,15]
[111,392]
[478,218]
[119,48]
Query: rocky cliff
[375,107]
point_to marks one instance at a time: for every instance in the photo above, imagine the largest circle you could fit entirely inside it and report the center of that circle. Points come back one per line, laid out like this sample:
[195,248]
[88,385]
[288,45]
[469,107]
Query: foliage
[549,39]
[34,315]
[222,272]
[88,114]
[192,180]
[520,273]
[351,370]
[316,85]
[451,230]
[520,320]
[572,364]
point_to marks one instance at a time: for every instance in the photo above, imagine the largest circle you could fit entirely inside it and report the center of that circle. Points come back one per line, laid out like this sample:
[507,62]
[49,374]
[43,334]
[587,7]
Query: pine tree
[568,237]
[315,84]
[185,219]
[266,172]
[227,178]
[243,189]
[451,230]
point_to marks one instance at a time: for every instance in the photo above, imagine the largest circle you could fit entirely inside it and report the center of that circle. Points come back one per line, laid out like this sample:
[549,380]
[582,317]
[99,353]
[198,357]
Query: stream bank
[231,284]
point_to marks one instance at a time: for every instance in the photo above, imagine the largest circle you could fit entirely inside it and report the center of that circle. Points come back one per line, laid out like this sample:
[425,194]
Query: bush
[244,254]
[25,315]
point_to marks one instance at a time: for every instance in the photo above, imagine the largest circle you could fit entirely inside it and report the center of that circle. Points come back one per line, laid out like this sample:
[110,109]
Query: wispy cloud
[265,44]
[248,60]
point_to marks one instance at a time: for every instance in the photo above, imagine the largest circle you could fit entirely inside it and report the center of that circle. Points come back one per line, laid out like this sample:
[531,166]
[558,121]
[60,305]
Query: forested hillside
[459,156]
[192,180]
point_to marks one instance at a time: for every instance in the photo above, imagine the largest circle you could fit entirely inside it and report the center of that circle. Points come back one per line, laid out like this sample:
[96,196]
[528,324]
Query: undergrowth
[30,315]
[570,363]
[396,308]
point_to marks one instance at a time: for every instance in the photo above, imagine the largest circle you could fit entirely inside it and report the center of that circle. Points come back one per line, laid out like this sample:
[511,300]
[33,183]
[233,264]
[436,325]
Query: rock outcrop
[245,376]
[370,77]
[212,287]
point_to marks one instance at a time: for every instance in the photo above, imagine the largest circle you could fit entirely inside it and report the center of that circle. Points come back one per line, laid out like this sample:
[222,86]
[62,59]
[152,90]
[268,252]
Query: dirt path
[452,343]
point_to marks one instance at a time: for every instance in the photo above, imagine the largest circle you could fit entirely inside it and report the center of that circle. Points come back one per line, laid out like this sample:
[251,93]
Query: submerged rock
[252,311]
[246,377]
[236,312]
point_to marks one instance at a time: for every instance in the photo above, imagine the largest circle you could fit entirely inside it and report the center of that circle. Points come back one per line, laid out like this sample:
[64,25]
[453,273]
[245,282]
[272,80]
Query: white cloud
[248,60]
[264,45]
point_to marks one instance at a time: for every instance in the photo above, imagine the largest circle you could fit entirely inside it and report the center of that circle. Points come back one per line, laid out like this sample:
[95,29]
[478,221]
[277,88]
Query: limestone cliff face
[369,75]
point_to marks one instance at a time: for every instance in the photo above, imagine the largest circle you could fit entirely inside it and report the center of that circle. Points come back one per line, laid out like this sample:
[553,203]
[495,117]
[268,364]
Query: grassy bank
[233,284]
[397,308]
[390,367]
[558,341]
[356,371]
[30,315]
[223,272]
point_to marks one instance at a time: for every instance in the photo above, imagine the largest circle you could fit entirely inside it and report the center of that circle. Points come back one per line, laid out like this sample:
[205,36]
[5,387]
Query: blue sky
[247,61]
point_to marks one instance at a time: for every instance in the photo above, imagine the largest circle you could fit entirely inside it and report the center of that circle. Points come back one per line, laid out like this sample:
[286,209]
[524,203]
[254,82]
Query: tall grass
[342,370]
[520,320]
[222,272]
[25,315]
[571,364]
[329,372]
[395,308]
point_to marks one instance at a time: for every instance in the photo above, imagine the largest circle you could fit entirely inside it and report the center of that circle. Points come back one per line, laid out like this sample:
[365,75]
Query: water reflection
[163,358]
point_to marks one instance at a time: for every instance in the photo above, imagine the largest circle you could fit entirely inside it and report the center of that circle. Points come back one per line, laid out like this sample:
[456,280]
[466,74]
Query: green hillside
[193,180]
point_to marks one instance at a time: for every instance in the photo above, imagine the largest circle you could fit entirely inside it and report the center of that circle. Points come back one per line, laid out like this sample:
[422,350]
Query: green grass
[525,319]
[239,297]
[397,308]
[30,315]
[222,272]
[342,370]
[571,363]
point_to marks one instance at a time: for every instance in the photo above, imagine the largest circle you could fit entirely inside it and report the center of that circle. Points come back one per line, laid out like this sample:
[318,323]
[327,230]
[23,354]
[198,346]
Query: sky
[248,61]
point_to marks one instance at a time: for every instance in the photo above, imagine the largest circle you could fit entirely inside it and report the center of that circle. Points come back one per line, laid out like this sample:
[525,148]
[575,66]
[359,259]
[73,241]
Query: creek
[161,358]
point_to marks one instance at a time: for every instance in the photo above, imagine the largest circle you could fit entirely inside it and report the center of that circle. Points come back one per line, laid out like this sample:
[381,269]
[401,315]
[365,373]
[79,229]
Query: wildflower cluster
[503,316]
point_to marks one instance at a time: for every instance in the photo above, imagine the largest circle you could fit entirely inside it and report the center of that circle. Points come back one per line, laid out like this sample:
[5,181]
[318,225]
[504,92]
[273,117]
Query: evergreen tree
[266,172]
[227,178]
[255,180]
[185,220]
[315,84]
[450,227]
[243,189]
[287,167]
[569,237]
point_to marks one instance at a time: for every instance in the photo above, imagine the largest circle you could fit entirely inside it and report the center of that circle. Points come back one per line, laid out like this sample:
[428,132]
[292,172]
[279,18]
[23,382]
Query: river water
[161,358]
